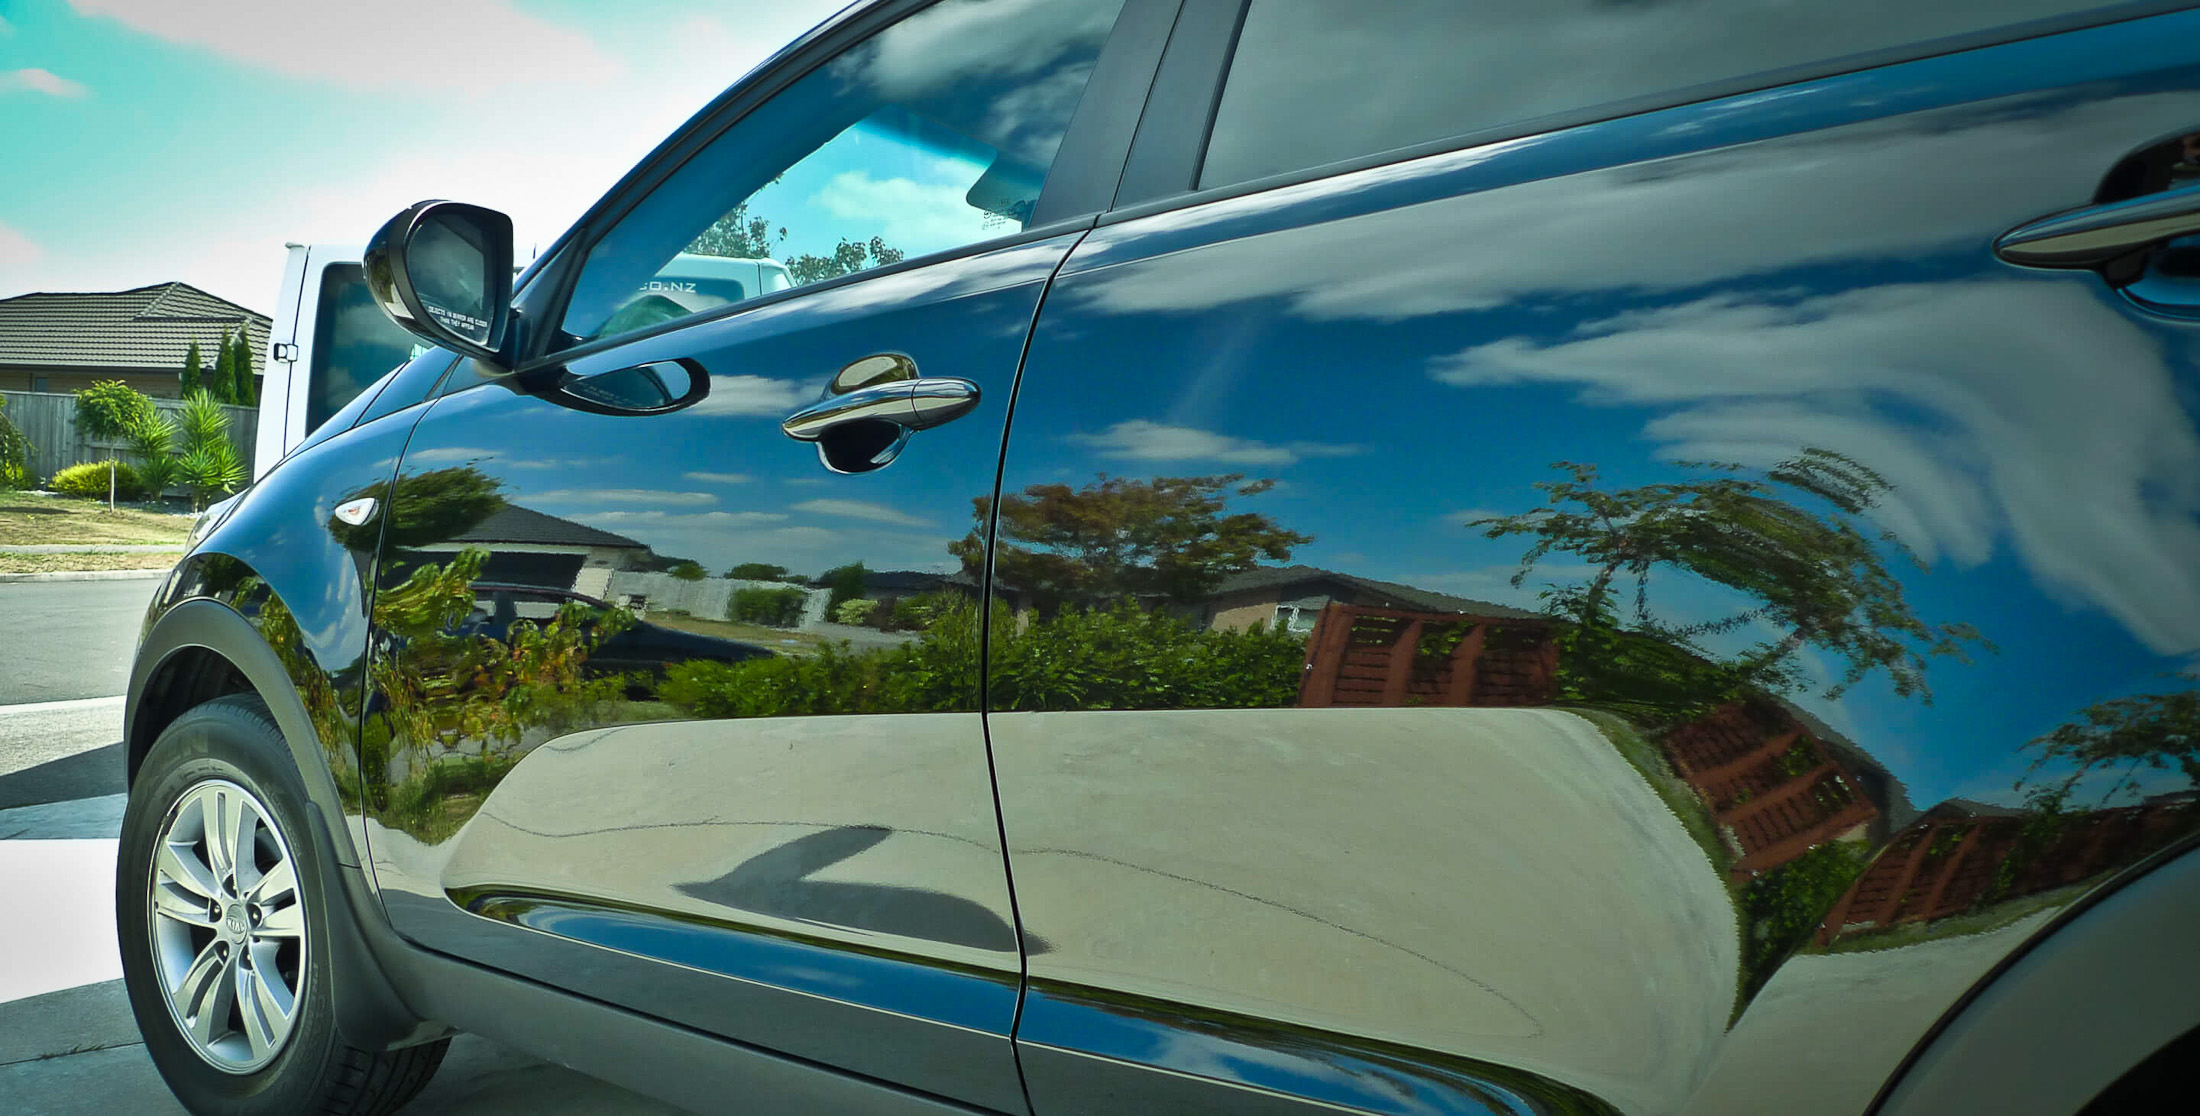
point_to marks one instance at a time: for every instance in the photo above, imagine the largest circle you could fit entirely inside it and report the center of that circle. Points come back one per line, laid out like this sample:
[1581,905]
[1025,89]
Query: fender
[215,641]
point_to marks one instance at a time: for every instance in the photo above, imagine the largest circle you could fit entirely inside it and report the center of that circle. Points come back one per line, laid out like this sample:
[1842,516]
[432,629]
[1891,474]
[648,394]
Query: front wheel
[217,898]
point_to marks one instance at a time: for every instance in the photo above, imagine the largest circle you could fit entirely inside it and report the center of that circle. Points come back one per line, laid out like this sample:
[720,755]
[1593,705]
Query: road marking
[59,706]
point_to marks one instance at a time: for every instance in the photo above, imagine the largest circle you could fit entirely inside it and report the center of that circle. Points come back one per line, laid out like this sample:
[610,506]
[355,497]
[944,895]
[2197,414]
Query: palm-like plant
[152,438]
[209,462]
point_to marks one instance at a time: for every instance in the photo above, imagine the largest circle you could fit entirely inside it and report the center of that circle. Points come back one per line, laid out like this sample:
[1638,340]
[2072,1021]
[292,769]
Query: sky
[152,141]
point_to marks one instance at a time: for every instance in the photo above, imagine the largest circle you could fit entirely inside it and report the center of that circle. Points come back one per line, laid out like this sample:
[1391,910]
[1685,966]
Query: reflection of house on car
[1774,783]
[1962,856]
[527,547]
[1291,598]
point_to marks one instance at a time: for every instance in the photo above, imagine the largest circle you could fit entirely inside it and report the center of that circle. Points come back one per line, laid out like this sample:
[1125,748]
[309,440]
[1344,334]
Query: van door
[328,342]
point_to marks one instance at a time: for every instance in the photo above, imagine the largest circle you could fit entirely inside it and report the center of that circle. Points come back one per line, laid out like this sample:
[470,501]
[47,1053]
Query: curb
[84,575]
[61,706]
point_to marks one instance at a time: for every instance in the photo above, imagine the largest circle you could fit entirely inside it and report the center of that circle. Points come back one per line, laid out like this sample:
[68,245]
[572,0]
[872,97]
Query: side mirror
[657,388]
[443,271]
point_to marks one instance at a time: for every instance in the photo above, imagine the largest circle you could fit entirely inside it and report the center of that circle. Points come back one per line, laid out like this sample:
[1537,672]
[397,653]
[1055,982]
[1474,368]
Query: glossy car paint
[829,886]
[1491,880]
[1407,350]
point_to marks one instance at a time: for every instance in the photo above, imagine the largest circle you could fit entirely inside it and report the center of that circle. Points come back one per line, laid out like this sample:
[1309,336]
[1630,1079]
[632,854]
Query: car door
[1554,569]
[679,711]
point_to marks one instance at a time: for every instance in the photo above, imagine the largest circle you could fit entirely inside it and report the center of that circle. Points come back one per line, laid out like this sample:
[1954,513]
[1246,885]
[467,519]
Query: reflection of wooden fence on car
[1380,656]
[1944,866]
[1767,780]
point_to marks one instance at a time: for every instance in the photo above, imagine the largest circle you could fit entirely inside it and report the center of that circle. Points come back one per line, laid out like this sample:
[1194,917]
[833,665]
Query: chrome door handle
[918,404]
[2097,234]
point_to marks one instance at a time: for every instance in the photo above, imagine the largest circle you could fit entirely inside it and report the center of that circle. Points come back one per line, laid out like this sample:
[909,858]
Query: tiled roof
[147,328]
[1405,596]
[515,524]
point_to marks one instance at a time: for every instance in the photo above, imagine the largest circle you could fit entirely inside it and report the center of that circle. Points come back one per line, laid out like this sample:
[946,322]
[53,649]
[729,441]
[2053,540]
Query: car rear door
[782,830]
[1557,570]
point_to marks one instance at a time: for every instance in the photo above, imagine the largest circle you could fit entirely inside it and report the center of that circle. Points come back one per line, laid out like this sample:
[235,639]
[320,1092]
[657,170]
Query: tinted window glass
[932,134]
[354,343]
[1315,83]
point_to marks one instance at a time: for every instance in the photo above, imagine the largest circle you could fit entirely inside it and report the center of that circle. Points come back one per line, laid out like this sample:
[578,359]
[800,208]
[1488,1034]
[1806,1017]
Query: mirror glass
[448,262]
[650,387]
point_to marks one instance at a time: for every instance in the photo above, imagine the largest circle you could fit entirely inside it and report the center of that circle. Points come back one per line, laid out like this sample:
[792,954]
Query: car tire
[217,945]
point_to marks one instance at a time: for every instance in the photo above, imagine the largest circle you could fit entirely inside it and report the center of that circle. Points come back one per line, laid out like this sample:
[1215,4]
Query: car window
[1314,83]
[935,133]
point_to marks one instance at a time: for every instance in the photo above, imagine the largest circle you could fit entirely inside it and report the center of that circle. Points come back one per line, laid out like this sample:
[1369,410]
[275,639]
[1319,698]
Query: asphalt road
[69,639]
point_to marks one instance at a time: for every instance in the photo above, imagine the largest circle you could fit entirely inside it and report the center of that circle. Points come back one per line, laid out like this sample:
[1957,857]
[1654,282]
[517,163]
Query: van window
[354,343]
[1317,83]
[934,133]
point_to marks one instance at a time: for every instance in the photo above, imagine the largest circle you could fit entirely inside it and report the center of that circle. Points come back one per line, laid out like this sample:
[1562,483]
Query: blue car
[1574,557]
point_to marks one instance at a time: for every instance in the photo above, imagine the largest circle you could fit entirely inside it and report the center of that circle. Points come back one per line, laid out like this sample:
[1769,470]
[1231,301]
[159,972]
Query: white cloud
[427,46]
[752,395]
[1140,440]
[699,519]
[917,217]
[718,478]
[858,509]
[2017,409]
[34,80]
[15,248]
[1645,223]
[625,496]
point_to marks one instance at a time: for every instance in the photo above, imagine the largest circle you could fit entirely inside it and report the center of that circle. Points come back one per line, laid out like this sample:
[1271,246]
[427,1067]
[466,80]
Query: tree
[848,256]
[2148,730]
[221,382]
[243,390]
[1814,574]
[847,583]
[1168,537]
[737,235]
[152,439]
[688,570]
[757,571]
[107,408]
[193,371]
[432,507]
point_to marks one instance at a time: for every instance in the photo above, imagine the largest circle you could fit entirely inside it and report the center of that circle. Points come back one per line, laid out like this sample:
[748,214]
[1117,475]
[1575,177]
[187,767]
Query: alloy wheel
[228,926]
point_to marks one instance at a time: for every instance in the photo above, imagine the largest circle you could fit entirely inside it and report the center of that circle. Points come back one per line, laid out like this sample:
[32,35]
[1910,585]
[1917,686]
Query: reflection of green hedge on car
[773,608]
[1115,658]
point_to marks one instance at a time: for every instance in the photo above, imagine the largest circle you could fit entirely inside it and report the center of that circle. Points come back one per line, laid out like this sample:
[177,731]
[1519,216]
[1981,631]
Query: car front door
[679,711]
[1621,610]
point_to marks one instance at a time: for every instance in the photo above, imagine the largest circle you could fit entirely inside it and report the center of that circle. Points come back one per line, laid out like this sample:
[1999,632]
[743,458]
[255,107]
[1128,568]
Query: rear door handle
[2097,234]
[918,404]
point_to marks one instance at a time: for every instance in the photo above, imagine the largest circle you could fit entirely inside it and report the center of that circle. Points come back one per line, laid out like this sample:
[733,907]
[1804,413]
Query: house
[64,342]
[527,547]
[1291,598]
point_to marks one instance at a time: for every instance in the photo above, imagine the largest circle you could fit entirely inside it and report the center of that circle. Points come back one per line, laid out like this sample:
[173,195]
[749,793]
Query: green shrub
[688,571]
[109,407]
[774,608]
[15,454]
[89,481]
[846,582]
[152,441]
[857,611]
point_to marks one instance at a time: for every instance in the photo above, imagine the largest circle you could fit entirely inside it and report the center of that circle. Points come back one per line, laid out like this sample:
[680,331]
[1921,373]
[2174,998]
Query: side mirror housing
[443,271]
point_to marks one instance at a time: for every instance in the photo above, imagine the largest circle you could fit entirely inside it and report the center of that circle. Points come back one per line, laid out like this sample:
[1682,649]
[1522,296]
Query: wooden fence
[48,419]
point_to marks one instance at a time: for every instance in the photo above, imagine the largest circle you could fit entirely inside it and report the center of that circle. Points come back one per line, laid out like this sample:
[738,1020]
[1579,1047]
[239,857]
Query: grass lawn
[778,639]
[31,518]
[49,563]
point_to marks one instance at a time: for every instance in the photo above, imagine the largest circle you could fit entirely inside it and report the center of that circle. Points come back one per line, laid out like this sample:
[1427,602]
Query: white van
[329,339]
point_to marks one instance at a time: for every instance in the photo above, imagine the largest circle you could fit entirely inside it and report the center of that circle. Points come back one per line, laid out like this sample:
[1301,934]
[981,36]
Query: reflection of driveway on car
[642,646]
